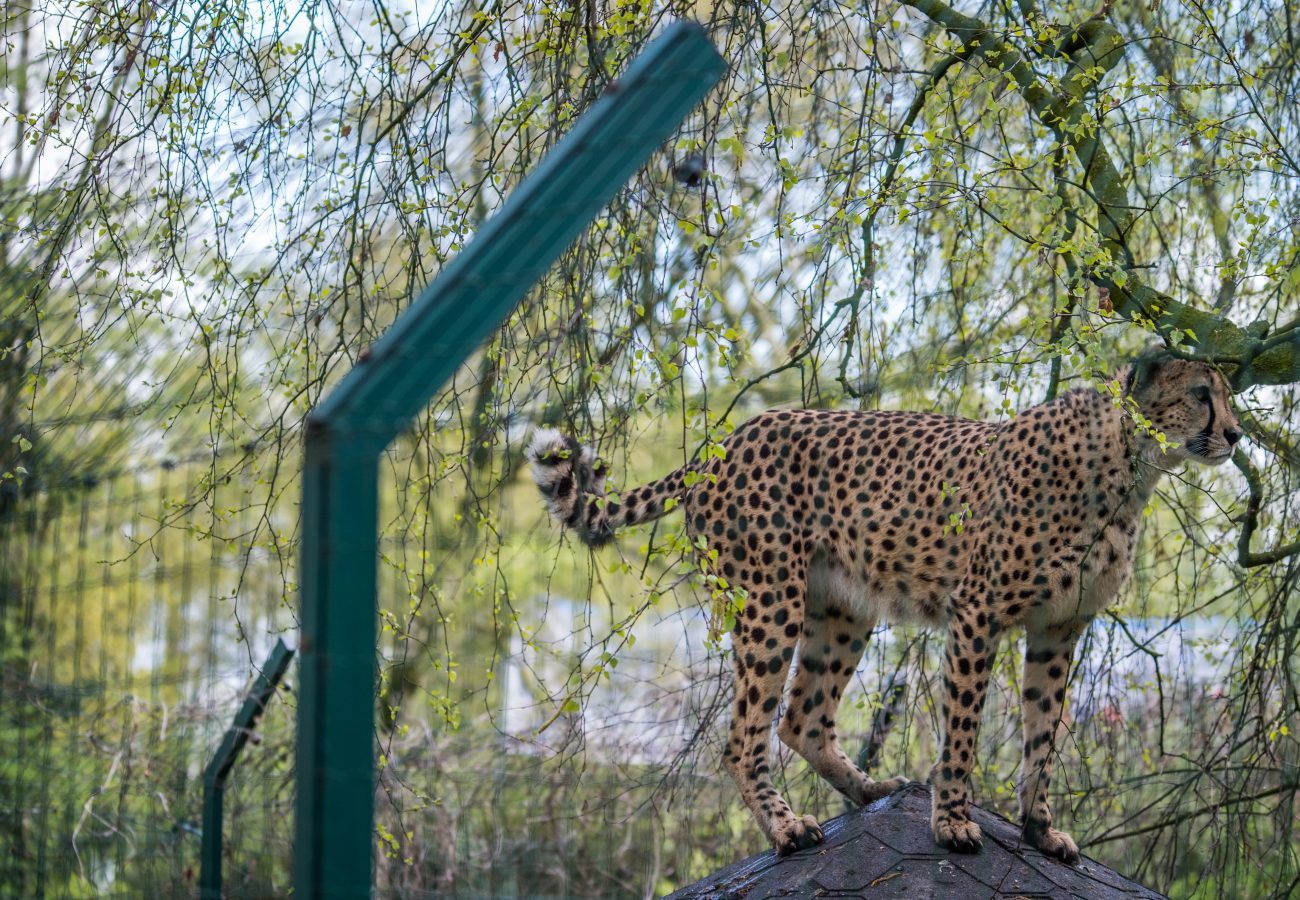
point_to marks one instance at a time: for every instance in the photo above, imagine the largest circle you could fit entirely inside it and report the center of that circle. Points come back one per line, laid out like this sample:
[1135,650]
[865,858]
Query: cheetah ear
[1144,368]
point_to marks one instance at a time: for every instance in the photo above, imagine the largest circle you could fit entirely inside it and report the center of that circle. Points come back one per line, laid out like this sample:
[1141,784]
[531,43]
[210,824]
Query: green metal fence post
[214,777]
[350,428]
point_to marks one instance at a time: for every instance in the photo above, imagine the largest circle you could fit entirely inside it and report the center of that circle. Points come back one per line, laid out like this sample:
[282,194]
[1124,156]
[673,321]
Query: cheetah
[832,521]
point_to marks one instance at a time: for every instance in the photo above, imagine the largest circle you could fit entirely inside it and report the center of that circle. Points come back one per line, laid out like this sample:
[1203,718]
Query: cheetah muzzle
[832,521]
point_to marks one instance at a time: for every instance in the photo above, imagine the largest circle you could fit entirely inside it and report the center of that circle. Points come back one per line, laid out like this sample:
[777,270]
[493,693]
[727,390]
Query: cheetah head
[1188,401]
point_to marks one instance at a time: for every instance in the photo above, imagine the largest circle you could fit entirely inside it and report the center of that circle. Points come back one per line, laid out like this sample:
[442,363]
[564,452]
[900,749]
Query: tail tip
[549,448]
[567,474]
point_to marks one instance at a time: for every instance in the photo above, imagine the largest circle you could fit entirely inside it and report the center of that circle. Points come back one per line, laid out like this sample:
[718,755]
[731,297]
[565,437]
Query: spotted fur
[832,521]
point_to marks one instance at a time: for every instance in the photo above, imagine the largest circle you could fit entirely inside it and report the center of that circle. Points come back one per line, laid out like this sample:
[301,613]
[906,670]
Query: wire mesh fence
[130,621]
[516,757]
[134,613]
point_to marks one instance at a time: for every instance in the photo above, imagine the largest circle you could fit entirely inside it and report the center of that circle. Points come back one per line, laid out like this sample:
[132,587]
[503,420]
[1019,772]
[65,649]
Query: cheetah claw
[803,834]
[963,836]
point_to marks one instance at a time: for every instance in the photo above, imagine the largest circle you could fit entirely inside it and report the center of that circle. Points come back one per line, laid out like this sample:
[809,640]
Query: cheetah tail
[572,482]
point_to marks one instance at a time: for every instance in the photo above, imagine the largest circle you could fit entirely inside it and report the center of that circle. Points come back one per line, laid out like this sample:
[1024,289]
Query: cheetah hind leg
[763,654]
[832,644]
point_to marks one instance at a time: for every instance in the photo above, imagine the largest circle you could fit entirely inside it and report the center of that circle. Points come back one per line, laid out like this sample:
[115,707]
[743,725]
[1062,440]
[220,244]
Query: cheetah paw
[1053,843]
[874,790]
[961,835]
[803,833]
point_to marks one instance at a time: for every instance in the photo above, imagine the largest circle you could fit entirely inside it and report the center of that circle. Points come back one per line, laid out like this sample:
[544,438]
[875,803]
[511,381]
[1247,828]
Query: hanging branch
[1250,359]
[1246,558]
[932,80]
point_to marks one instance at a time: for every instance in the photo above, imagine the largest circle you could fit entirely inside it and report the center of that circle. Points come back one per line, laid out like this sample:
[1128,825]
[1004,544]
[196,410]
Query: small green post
[214,777]
[345,435]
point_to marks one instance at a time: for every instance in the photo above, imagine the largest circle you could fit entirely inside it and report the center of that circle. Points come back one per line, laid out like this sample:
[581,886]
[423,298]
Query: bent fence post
[214,777]
[346,433]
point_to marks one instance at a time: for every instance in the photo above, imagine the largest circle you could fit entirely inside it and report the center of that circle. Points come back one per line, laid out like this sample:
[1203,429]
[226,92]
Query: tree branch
[1273,440]
[1245,557]
[854,301]
[1246,358]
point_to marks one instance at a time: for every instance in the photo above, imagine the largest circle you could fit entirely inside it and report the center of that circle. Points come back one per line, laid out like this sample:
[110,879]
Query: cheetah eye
[1201,393]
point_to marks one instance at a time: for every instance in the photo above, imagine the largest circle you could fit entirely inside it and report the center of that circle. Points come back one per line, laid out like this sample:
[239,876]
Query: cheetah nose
[1232,435]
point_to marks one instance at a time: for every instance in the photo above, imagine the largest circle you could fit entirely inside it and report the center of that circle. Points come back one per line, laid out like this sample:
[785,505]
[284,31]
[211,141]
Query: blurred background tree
[211,209]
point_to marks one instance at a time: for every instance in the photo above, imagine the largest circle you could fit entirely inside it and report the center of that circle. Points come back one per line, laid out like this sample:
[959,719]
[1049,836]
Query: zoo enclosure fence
[134,612]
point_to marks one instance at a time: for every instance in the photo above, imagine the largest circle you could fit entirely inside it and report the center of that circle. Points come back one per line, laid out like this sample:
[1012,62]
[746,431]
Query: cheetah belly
[901,600]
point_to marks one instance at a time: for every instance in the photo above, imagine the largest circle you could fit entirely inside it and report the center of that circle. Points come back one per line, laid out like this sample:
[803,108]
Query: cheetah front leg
[967,664]
[1048,653]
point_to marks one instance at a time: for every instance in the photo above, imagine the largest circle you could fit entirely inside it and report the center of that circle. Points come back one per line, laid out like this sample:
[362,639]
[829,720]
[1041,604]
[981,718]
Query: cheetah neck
[1148,465]
[1146,459]
[1126,495]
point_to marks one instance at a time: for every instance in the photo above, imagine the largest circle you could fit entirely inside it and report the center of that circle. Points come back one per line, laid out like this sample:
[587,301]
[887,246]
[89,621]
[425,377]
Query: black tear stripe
[1208,431]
